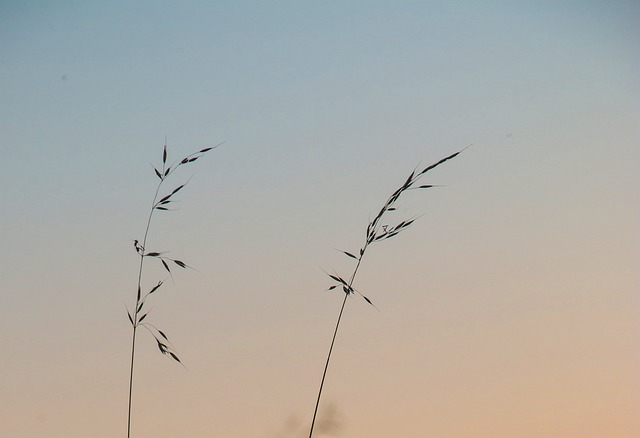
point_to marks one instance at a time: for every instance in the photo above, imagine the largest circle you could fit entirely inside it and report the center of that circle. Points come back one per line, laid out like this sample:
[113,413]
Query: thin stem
[135,314]
[133,351]
[333,340]
[326,366]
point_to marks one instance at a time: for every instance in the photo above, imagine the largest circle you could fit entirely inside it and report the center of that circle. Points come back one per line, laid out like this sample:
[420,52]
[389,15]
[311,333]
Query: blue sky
[513,298]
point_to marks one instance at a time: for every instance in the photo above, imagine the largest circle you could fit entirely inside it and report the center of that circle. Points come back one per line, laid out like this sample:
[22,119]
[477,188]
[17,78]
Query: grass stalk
[376,231]
[136,316]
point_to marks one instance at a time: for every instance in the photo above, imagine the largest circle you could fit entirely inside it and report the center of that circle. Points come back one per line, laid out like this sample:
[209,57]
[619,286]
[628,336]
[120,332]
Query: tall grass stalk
[377,231]
[137,316]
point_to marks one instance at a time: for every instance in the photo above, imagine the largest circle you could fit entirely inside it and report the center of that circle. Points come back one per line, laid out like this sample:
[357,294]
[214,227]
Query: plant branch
[374,234]
[137,317]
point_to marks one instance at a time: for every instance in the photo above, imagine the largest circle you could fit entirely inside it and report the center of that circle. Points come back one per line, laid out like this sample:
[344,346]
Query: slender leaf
[165,198]
[380,236]
[162,347]
[439,162]
[407,183]
[155,287]
[338,279]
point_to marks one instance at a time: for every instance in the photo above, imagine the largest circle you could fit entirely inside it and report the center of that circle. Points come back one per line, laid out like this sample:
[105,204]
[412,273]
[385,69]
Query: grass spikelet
[138,318]
[377,231]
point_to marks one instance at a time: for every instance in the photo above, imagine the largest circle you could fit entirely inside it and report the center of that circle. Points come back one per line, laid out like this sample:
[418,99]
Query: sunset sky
[510,308]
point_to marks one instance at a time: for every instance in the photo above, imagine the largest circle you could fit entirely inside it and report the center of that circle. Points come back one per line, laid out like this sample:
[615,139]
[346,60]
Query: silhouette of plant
[138,317]
[377,231]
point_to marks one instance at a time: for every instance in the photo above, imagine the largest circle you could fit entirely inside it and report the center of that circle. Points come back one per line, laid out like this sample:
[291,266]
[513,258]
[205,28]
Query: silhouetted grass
[138,317]
[377,231]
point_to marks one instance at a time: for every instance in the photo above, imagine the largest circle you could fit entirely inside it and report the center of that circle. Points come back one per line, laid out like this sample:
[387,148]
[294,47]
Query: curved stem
[333,340]
[135,314]
[326,366]
[133,350]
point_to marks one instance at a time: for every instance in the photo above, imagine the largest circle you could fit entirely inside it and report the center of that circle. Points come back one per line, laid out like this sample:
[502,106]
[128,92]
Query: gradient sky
[510,308]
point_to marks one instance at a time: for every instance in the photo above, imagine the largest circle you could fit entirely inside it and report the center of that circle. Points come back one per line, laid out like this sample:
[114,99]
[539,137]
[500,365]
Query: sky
[509,308]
